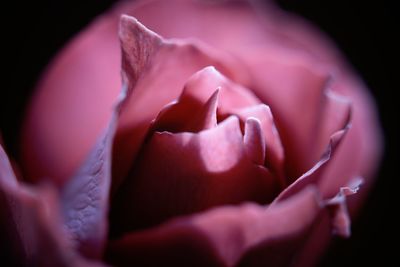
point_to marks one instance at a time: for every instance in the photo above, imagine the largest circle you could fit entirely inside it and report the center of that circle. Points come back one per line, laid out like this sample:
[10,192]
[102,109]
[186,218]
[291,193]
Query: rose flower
[237,137]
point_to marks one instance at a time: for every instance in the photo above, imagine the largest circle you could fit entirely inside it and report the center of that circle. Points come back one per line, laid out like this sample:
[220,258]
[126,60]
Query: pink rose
[236,140]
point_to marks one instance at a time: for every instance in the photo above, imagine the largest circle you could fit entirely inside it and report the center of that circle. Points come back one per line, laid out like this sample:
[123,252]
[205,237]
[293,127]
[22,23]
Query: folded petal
[85,197]
[183,173]
[188,115]
[157,79]
[361,150]
[254,141]
[245,235]
[181,115]
[317,173]
[277,49]
[233,100]
[274,150]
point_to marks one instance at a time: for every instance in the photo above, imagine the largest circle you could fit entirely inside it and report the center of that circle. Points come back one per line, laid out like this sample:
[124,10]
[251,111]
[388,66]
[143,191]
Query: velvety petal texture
[235,138]
[31,224]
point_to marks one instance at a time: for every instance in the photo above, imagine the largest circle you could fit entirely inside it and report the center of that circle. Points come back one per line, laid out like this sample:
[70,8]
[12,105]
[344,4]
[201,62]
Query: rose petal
[234,100]
[262,35]
[361,150]
[90,67]
[295,95]
[85,197]
[72,103]
[316,173]
[179,117]
[336,222]
[172,63]
[274,149]
[224,236]
[254,141]
[196,92]
[189,172]
[341,218]
[30,225]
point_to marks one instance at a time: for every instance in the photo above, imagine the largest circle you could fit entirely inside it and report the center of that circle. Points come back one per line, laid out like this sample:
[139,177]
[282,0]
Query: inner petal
[183,173]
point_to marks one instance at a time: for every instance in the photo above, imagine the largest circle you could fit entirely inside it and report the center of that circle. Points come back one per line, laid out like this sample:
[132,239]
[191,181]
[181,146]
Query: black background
[364,30]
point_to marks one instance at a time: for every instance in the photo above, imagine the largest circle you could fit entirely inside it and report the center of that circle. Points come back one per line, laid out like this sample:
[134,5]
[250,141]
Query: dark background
[364,30]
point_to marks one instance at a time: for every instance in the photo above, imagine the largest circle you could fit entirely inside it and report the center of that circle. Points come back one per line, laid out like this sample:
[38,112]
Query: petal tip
[254,140]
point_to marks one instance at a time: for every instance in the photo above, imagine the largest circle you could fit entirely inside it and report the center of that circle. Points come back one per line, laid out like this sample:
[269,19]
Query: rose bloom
[237,136]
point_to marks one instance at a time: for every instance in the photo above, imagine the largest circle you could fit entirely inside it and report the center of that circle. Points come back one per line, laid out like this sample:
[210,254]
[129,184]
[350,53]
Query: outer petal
[30,224]
[72,103]
[318,172]
[248,235]
[85,196]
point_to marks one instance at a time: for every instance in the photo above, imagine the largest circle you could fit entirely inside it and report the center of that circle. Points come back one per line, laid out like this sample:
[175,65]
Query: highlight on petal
[295,84]
[285,74]
[233,100]
[279,48]
[156,79]
[189,172]
[206,118]
[254,141]
[274,149]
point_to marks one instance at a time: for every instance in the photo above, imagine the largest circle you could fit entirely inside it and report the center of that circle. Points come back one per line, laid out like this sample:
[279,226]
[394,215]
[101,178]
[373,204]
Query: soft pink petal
[183,173]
